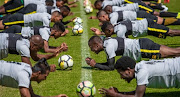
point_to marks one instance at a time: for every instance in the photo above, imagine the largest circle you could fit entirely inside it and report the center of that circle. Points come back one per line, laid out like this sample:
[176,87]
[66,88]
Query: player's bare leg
[166,51]
[173,32]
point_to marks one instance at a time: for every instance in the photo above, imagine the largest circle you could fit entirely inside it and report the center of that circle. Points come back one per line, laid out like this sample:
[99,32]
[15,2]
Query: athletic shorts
[149,49]
[141,5]
[144,14]
[157,30]
[14,19]
[13,6]
[30,8]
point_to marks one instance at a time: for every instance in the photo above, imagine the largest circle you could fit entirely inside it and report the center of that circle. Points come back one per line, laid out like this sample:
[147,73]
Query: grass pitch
[65,82]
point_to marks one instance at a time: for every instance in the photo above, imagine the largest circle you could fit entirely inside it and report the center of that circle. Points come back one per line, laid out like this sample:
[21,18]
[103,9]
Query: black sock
[168,14]
[176,22]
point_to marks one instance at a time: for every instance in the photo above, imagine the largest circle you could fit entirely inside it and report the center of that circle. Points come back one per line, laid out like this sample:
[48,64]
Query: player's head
[107,28]
[65,10]
[125,67]
[49,2]
[108,9]
[40,70]
[96,44]
[59,3]
[102,16]
[56,16]
[57,29]
[98,4]
[36,43]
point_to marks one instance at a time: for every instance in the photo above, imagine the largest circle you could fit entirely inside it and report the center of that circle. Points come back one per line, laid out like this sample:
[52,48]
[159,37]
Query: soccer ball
[65,62]
[86,89]
[88,9]
[77,29]
[77,21]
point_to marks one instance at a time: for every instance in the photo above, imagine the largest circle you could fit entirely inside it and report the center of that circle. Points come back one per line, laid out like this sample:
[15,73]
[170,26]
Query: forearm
[48,56]
[109,65]
[66,22]
[51,49]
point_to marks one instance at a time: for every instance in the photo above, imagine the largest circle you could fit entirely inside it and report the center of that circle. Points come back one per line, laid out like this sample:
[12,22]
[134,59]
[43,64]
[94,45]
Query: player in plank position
[134,48]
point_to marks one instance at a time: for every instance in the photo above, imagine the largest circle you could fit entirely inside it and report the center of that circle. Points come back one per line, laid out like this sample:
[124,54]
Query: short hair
[97,1]
[95,39]
[56,13]
[65,8]
[105,26]
[42,66]
[100,13]
[107,8]
[124,62]
[59,26]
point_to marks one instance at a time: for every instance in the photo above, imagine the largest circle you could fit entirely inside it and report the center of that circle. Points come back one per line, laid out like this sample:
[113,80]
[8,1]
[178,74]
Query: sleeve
[44,34]
[110,50]
[46,20]
[24,51]
[122,32]
[24,79]
[113,18]
[142,77]
[109,65]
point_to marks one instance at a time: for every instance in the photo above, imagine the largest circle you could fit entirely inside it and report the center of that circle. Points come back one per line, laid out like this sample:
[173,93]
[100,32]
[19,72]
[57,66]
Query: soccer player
[153,74]
[56,31]
[134,48]
[138,28]
[99,4]
[24,20]
[16,44]
[118,16]
[19,75]
[14,5]
[41,8]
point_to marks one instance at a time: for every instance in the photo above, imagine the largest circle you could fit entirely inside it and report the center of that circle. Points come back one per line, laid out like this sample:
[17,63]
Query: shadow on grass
[163,94]
[85,67]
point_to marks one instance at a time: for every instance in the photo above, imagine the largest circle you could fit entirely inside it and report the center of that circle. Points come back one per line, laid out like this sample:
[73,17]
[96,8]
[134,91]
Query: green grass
[65,82]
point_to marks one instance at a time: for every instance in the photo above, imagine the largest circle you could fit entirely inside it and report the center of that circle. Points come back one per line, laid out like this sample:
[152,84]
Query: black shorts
[14,19]
[157,30]
[144,14]
[141,5]
[149,49]
[13,6]
[30,8]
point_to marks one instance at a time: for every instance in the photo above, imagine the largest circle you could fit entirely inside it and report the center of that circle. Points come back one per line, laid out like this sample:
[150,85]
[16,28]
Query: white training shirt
[15,74]
[45,18]
[29,31]
[159,73]
[126,7]
[26,2]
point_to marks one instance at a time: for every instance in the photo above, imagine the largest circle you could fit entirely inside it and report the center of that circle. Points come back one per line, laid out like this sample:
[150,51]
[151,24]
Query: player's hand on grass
[96,31]
[65,32]
[71,13]
[115,89]
[90,62]
[62,95]
[92,17]
[72,19]
[108,92]
[52,68]
[64,46]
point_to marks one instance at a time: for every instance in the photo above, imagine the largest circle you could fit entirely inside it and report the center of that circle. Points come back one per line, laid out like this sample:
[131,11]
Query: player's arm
[26,60]
[140,90]
[109,65]
[24,92]
[47,49]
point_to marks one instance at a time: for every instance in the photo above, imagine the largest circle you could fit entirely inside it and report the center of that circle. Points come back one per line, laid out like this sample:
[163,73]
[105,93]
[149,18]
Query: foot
[165,8]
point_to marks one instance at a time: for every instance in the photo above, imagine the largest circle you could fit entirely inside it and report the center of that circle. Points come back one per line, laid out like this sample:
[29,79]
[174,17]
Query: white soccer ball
[88,9]
[77,29]
[77,21]
[65,62]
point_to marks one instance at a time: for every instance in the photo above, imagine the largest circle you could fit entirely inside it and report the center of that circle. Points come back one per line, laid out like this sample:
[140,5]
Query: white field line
[85,72]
